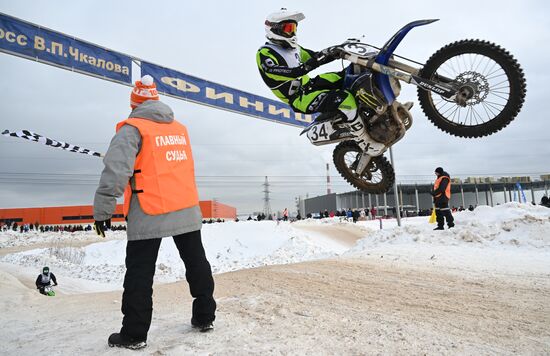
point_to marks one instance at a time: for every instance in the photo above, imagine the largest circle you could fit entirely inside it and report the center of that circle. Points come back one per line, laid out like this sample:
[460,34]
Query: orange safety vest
[164,172]
[447,190]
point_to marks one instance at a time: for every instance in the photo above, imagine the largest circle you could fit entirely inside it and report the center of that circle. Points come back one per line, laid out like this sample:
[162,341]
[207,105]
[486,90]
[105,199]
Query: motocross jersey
[283,69]
[44,279]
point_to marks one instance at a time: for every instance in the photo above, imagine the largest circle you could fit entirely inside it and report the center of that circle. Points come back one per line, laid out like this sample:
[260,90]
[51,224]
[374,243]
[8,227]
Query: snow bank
[509,239]
[511,224]
[512,237]
[15,238]
[229,246]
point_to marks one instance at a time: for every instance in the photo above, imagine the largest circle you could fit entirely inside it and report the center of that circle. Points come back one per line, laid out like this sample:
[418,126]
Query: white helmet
[280,27]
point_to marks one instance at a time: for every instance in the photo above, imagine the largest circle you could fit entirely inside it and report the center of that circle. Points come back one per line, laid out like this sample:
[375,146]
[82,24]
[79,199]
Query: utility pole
[397,207]
[328,180]
[267,205]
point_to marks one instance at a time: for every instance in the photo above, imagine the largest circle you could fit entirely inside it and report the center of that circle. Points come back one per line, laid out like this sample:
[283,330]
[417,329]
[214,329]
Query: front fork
[368,146]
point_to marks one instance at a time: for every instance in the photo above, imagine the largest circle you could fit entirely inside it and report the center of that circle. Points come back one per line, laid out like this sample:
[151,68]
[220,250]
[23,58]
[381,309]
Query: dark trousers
[442,213]
[137,301]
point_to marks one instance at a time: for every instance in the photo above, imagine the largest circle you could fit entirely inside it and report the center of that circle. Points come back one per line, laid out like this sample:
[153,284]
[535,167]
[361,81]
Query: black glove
[334,52]
[323,57]
[101,226]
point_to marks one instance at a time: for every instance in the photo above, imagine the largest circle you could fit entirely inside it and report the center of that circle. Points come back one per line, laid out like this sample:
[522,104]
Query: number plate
[360,49]
[320,132]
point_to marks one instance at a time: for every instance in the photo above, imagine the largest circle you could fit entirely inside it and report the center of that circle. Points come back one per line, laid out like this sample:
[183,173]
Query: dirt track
[322,307]
[346,235]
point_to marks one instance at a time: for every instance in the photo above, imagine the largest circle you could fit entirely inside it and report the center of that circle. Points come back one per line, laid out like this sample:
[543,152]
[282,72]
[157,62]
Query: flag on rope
[520,189]
[31,136]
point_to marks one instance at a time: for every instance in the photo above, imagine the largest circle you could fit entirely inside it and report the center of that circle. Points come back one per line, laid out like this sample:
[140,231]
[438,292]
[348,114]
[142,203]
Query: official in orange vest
[150,161]
[442,194]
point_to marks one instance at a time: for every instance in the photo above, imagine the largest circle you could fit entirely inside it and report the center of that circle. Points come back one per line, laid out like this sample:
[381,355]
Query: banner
[190,88]
[33,42]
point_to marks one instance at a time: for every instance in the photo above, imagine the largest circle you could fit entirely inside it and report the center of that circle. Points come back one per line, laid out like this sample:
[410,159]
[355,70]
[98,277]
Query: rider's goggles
[286,29]
[289,28]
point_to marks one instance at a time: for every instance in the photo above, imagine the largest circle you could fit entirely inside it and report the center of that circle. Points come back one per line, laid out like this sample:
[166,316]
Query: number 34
[317,132]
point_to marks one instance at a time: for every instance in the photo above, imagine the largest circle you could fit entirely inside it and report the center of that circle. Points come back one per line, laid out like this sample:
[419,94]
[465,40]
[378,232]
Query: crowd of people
[23,228]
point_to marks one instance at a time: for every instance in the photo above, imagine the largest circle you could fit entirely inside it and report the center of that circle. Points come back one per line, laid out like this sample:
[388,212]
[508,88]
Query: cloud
[220,46]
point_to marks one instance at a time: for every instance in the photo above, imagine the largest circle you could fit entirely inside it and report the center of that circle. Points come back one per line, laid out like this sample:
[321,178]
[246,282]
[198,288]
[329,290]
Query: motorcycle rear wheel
[379,176]
[499,85]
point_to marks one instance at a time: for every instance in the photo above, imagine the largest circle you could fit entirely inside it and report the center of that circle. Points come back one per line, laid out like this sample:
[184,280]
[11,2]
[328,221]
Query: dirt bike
[48,290]
[469,88]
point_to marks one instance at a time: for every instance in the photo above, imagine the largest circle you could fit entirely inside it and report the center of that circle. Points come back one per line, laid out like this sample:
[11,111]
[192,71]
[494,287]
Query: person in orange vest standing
[149,160]
[442,194]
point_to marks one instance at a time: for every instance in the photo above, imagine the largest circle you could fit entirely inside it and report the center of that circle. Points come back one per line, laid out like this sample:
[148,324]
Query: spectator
[355,215]
[349,215]
[373,212]
[441,193]
[544,201]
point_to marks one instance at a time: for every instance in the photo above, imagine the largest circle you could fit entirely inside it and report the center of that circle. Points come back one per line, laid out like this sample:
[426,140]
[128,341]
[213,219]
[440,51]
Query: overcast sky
[217,40]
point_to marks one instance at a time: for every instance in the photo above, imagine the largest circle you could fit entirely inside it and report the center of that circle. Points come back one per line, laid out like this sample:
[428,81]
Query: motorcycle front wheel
[377,178]
[494,79]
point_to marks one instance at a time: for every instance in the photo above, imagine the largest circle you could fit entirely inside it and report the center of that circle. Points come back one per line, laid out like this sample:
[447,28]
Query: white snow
[486,248]
[229,246]
[512,237]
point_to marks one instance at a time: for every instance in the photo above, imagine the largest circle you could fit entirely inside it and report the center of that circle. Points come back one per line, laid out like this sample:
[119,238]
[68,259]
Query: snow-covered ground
[513,237]
[481,287]
[229,246]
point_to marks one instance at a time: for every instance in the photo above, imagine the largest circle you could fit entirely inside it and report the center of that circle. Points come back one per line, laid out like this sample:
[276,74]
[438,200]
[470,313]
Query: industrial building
[83,214]
[416,197]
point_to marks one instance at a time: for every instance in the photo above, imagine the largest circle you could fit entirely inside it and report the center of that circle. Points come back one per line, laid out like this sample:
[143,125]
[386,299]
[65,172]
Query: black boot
[205,327]
[439,228]
[120,340]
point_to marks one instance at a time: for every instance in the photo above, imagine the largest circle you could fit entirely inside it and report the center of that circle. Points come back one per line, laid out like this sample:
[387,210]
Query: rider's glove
[334,52]
[323,57]
[101,226]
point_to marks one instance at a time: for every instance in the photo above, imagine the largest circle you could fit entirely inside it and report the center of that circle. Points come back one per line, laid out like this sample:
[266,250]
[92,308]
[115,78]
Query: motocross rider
[44,279]
[284,65]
